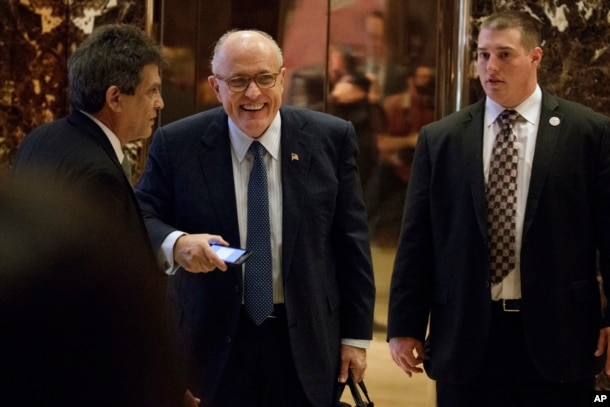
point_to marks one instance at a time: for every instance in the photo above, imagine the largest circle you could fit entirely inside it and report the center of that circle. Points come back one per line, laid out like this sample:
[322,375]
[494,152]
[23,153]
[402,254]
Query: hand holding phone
[231,255]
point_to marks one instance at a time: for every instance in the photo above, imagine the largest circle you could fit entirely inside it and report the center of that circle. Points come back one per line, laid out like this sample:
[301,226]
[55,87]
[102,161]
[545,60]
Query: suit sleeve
[603,231]
[154,192]
[354,255]
[411,281]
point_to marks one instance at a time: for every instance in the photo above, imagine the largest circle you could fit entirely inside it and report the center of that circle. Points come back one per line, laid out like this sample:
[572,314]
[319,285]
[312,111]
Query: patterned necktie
[258,282]
[502,199]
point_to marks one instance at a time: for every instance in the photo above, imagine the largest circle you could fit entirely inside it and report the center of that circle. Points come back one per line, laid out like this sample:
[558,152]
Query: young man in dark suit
[319,308]
[506,282]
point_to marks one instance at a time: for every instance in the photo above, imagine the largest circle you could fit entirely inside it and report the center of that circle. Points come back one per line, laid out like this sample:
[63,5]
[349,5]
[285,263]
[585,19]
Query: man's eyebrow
[503,48]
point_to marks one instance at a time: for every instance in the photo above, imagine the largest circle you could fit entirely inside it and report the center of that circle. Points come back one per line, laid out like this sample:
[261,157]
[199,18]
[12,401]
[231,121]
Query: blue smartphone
[231,255]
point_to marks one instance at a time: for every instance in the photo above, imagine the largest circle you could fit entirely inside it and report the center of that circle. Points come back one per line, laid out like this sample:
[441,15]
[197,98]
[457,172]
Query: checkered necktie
[502,199]
[258,281]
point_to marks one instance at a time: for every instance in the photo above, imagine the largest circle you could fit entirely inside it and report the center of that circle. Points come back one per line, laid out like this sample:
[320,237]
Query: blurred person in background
[404,114]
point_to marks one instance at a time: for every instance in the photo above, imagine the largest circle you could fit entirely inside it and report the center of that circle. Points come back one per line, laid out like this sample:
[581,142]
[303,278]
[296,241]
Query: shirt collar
[114,140]
[270,139]
[529,109]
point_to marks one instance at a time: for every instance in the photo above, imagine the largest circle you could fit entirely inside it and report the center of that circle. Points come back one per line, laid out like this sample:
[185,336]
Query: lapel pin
[554,121]
[294,157]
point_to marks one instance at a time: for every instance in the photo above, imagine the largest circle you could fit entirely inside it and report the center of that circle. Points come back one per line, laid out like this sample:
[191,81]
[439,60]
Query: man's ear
[215,87]
[537,56]
[113,98]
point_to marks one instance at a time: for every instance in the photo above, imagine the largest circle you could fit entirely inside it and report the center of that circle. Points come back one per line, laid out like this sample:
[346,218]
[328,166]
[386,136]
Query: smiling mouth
[253,107]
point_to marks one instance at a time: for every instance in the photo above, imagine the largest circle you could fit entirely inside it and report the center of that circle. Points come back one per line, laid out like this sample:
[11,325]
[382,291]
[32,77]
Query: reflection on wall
[378,37]
[304,49]
[178,83]
[576,59]
[36,39]
[361,66]
[189,30]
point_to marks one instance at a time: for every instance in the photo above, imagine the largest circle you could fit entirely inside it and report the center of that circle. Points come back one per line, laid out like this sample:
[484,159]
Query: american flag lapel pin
[294,157]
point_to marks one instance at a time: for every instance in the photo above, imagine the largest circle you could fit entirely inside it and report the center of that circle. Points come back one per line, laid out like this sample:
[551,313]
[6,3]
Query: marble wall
[576,35]
[36,39]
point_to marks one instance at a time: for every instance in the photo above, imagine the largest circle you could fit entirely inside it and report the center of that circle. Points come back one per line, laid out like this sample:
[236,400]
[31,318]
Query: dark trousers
[260,371]
[508,378]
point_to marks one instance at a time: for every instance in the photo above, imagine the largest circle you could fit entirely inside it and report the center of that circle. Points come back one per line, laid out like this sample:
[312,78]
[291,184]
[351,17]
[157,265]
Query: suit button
[236,288]
[228,339]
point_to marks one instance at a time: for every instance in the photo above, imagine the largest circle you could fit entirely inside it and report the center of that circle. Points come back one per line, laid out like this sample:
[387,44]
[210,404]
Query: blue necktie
[258,282]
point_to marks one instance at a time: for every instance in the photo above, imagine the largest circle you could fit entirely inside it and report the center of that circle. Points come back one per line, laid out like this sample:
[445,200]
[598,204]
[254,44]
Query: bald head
[244,40]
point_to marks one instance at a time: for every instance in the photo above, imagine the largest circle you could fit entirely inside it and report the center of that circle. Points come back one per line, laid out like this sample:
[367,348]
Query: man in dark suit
[196,180]
[114,88]
[530,335]
[386,76]
[115,96]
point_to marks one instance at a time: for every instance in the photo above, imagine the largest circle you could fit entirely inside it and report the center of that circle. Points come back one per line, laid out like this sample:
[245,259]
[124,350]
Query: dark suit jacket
[442,264]
[329,291]
[75,150]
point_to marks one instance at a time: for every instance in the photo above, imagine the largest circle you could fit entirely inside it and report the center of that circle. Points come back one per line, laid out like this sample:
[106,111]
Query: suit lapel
[217,174]
[95,132]
[90,128]
[546,141]
[473,157]
[217,171]
[296,153]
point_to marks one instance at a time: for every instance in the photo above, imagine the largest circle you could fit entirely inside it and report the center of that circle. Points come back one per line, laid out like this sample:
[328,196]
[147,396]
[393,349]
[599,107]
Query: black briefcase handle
[356,389]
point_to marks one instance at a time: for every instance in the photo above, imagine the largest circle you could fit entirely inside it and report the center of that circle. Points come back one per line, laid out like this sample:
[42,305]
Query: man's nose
[252,91]
[492,63]
[159,104]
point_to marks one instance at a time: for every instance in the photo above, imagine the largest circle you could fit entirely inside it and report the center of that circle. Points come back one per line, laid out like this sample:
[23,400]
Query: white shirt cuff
[357,343]
[165,255]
